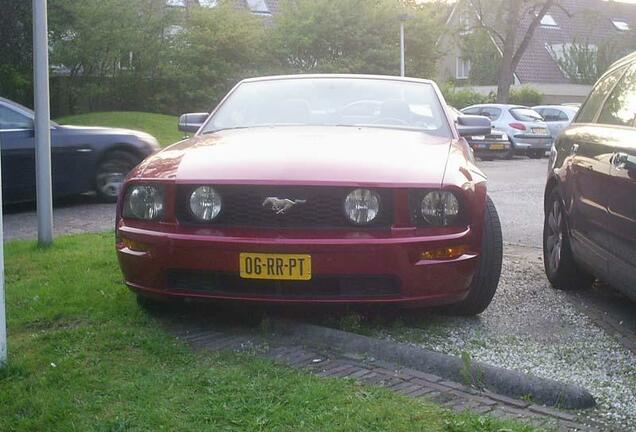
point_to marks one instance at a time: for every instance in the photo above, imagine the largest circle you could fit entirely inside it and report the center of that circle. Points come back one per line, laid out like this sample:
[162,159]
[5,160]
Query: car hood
[307,155]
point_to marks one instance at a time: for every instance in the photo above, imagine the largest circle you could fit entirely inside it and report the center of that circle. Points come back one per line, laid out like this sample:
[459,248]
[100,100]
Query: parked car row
[530,131]
[349,189]
[494,145]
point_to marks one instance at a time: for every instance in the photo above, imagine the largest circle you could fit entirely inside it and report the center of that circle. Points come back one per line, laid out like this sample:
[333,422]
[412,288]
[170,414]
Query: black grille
[231,284]
[323,207]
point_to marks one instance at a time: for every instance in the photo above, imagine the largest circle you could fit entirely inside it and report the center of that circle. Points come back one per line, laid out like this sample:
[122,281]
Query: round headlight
[205,203]
[440,208]
[144,202]
[362,206]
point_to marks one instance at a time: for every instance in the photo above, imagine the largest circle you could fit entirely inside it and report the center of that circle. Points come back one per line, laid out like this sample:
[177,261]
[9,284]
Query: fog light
[135,245]
[445,253]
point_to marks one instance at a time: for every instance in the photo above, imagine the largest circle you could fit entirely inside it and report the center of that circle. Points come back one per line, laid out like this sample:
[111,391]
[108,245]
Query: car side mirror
[471,125]
[191,122]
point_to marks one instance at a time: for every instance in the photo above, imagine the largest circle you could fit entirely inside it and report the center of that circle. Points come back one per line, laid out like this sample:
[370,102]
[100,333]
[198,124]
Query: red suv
[590,196]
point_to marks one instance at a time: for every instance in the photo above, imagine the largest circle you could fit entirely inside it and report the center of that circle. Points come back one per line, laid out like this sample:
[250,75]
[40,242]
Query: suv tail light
[519,126]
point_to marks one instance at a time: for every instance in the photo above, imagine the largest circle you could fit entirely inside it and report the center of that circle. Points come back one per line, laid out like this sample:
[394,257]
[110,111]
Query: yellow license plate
[497,147]
[275,266]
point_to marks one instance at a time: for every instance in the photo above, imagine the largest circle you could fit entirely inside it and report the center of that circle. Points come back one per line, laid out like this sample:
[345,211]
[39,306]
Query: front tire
[536,154]
[560,267]
[111,172]
[486,278]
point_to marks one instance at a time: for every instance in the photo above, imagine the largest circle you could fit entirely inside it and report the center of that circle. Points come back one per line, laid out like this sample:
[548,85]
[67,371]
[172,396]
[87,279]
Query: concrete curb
[497,380]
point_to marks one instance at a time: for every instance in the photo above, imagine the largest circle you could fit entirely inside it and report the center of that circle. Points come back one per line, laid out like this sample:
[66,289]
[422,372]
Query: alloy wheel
[110,183]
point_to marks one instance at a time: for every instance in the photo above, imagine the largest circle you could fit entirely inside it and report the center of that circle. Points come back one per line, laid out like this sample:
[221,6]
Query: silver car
[558,117]
[527,131]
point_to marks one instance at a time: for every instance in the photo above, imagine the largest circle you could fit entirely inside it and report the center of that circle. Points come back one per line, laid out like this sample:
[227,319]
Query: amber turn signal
[445,253]
[134,245]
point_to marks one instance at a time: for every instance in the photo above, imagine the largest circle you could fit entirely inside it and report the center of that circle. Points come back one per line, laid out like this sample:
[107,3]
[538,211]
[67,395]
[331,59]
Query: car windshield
[526,114]
[332,102]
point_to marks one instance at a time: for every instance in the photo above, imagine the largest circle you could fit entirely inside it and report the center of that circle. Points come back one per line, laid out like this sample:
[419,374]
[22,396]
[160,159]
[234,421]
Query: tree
[353,36]
[477,47]
[111,50]
[584,63]
[493,15]
[216,48]
[16,51]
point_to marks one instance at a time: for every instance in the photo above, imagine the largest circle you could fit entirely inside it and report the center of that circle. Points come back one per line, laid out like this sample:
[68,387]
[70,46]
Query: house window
[208,3]
[621,25]
[463,68]
[126,61]
[465,21]
[548,21]
[176,3]
[173,31]
[258,7]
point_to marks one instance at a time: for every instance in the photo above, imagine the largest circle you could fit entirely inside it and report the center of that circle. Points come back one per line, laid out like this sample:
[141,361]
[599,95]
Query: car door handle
[624,161]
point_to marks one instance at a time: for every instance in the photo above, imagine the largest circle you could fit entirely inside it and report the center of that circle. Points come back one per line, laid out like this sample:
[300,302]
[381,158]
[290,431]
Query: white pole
[401,48]
[3,318]
[42,123]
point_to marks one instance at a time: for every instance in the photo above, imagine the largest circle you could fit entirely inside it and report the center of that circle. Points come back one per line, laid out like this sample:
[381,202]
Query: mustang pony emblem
[281,205]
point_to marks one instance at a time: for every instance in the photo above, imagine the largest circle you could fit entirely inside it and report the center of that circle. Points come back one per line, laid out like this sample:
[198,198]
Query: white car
[528,133]
[558,117]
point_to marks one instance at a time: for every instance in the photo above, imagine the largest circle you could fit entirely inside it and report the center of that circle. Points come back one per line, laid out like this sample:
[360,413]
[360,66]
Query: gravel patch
[70,216]
[534,329]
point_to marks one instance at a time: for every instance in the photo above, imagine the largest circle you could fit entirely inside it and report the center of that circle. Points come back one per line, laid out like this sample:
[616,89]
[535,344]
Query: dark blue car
[83,159]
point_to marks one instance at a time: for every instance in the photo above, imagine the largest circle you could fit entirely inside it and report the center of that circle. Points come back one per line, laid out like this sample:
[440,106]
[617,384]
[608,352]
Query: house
[575,41]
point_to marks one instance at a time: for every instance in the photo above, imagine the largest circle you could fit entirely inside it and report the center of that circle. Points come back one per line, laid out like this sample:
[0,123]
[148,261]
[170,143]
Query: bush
[461,97]
[525,96]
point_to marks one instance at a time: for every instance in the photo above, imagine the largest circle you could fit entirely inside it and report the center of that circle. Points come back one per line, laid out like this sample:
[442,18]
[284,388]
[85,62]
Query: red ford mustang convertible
[316,189]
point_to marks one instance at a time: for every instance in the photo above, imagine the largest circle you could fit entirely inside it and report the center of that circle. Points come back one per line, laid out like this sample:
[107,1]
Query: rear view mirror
[191,122]
[471,125]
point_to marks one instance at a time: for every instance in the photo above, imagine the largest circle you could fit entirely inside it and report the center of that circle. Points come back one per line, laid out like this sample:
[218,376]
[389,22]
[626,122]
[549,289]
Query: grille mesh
[320,286]
[323,207]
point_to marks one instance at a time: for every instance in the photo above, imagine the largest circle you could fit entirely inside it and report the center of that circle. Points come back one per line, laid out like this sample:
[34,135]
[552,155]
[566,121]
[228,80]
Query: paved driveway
[70,216]
[516,187]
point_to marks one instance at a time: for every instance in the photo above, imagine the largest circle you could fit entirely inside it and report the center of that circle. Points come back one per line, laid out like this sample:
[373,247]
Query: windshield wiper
[223,129]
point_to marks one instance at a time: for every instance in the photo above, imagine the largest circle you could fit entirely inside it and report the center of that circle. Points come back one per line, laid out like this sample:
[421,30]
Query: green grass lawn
[163,127]
[83,356]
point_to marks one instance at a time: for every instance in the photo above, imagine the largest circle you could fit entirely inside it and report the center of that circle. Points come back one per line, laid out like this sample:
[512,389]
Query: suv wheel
[562,270]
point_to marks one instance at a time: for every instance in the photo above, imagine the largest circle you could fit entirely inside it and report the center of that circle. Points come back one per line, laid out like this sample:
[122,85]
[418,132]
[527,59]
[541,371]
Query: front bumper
[346,267]
[488,148]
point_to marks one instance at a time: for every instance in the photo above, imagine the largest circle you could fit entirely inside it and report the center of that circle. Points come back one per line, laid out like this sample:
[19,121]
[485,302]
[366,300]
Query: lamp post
[3,318]
[403,17]
[42,124]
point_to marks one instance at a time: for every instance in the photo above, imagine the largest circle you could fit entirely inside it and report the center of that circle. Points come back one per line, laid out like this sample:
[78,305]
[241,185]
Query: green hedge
[461,97]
